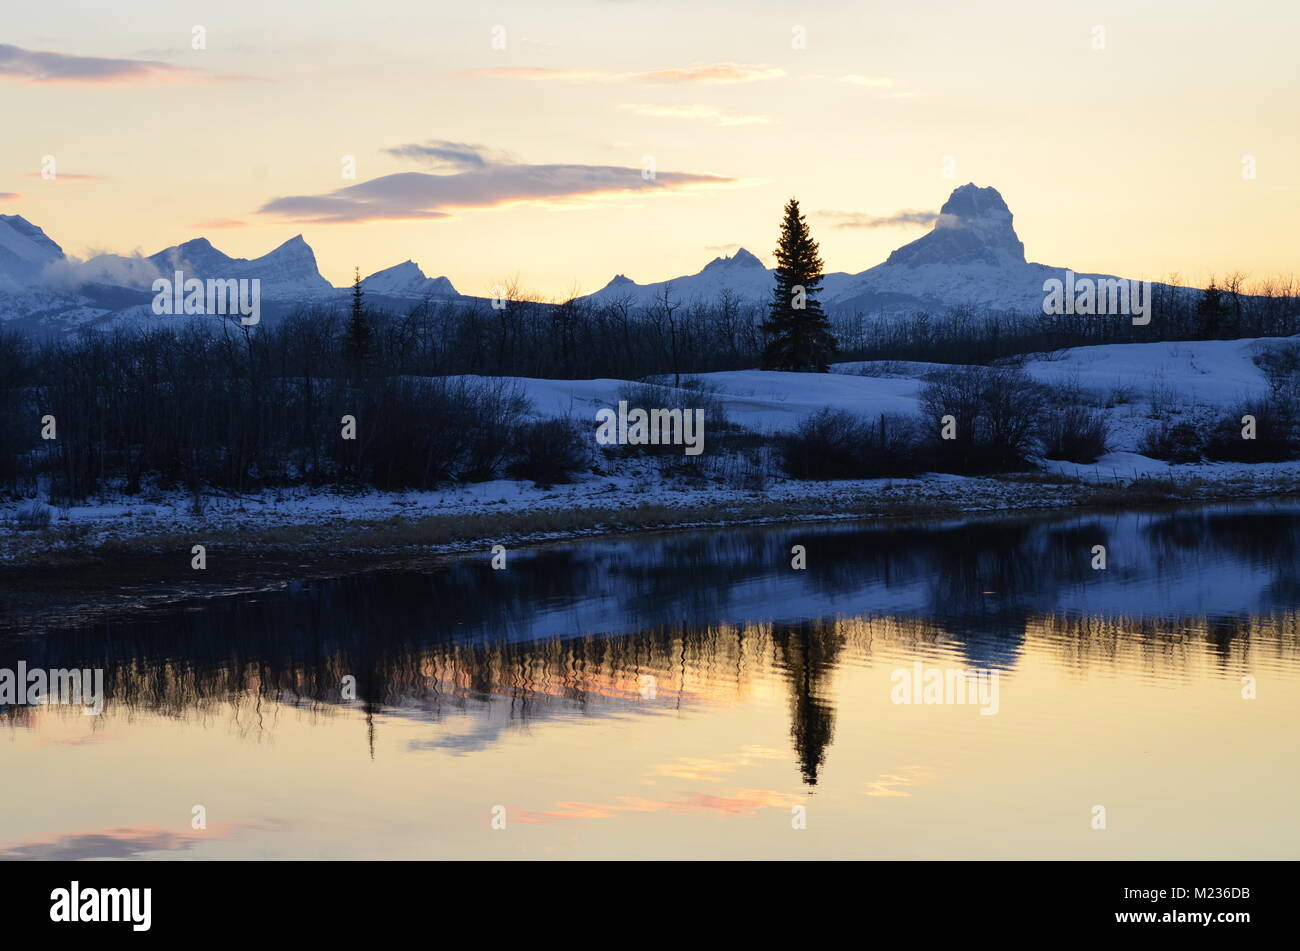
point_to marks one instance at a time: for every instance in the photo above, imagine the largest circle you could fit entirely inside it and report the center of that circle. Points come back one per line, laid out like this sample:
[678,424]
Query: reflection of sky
[698,741]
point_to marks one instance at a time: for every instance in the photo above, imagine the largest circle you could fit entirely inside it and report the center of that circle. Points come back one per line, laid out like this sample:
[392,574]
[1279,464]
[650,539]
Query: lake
[693,695]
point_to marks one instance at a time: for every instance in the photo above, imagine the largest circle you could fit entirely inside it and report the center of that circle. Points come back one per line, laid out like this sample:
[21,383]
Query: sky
[556,144]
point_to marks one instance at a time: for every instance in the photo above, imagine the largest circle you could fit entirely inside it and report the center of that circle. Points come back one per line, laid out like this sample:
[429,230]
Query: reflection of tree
[807,653]
[681,609]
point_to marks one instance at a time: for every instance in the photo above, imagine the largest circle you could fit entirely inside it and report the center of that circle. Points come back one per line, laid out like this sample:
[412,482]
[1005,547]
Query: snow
[24,252]
[1188,375]
[972,256]
[408,281]
[758,400]
[1196,372]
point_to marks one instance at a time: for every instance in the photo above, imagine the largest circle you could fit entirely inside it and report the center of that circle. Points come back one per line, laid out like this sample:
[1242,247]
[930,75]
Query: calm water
[677,696]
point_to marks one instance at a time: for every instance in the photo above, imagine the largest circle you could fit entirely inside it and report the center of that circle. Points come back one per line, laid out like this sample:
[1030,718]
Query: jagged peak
[296,243]
[405,269]
[970,201]
[741,258]
[975,226]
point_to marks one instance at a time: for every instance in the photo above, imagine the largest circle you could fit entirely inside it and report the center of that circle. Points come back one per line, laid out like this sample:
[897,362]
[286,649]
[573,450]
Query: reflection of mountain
[653,624]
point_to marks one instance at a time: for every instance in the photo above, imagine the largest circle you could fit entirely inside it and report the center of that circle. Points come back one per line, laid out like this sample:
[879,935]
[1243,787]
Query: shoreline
[44,587]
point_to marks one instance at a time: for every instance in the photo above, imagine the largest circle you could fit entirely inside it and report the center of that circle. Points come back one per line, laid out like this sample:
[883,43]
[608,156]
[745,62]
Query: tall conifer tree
[799,335]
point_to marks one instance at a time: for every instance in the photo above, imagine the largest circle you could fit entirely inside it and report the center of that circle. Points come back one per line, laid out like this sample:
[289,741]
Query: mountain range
[971,256]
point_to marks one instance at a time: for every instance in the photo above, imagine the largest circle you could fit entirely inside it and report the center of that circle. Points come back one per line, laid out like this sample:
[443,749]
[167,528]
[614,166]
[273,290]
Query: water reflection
[653,625]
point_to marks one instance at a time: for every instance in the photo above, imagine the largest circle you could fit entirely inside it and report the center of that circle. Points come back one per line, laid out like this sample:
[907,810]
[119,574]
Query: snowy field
[1135,384]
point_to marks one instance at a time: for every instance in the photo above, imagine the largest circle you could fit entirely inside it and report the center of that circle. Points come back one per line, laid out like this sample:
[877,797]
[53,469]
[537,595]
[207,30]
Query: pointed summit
[741,258]
[974,227]
[407,280]
[287,272]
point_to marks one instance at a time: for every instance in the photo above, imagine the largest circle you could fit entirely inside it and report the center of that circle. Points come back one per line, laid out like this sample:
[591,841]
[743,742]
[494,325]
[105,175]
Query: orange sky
[519,132]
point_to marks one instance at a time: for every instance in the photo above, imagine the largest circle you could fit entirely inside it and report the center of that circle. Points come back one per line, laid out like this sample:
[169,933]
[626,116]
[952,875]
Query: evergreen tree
[360,335]
[1210,311]
[799,335]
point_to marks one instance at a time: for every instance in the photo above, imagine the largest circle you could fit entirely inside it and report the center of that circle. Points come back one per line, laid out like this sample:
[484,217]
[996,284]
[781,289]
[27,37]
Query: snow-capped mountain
[742,274]
[972,256]
[44,291]
[289,271]
[406,280]
[25,252]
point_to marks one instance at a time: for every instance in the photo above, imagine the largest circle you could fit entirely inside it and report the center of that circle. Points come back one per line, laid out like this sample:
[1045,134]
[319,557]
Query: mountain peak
[32,233]
[408,280]
[974,227]
[741,258]
[296,243]
[969,201]
[25,251]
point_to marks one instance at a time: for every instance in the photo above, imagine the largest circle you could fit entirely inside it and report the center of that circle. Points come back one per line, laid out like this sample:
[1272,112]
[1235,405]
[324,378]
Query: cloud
[121,270]
[742,802]
[219,223]
[440,153]
[855,219]
[489,183]
[9,196]
[702,74]
[710,74]
[65,176]
[51,68]
[124,842]
[873,82]
[693,112]
[538,73]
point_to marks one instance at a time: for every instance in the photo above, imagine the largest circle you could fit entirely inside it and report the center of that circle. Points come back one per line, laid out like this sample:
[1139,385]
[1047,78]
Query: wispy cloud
[216,224]
[124,842]
[856,219]
[52,68]
[872,82]
[441,153]
[63,176]
[489,183]
[670,111]
[741,802]
[9,196]
[701,74]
